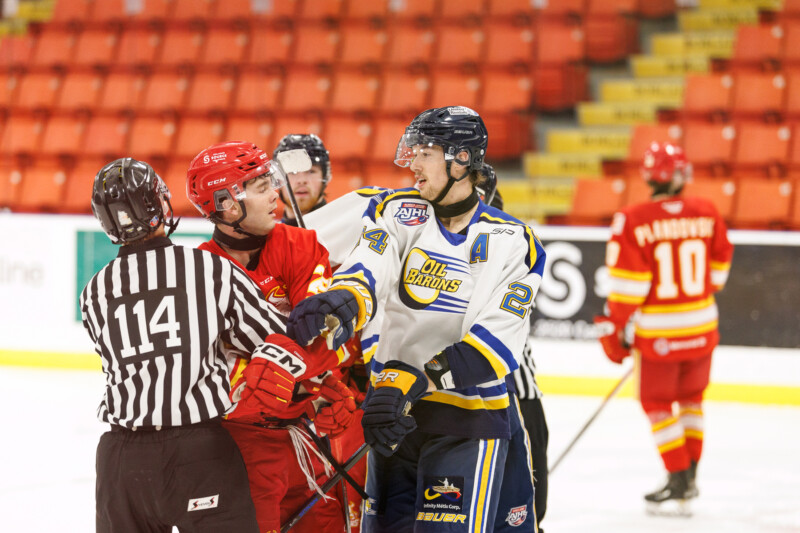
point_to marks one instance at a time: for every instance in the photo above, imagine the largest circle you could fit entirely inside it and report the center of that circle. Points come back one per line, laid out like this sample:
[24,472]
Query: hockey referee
[160,316]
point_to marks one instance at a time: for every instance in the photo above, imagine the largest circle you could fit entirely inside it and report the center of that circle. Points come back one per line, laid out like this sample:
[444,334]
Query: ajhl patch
[412,214]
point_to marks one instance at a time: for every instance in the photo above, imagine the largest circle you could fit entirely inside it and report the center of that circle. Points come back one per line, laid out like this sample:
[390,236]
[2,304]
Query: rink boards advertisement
[47,259]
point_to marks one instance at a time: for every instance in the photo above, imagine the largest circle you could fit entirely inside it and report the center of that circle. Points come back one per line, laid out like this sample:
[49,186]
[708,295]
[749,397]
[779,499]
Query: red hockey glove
[611,339]
[337,415]
[270,377]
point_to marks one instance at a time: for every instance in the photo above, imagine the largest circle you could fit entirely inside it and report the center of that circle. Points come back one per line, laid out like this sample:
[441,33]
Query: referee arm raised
[161,317]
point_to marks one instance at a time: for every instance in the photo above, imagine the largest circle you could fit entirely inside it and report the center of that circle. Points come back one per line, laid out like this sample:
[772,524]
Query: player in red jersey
[666,258]
[235,185]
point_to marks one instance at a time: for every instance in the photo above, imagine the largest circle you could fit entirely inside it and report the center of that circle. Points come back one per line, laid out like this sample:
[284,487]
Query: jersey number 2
[691,264]
[518,301]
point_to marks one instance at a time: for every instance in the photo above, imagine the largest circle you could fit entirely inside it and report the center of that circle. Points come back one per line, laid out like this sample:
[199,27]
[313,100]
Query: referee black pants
[192,477]
[535,423]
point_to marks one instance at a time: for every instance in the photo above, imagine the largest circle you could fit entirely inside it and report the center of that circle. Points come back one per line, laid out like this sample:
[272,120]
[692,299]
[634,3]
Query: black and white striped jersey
[160,315]
[525,376]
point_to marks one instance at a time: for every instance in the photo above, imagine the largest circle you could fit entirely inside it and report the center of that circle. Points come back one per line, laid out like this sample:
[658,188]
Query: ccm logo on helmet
[214,182]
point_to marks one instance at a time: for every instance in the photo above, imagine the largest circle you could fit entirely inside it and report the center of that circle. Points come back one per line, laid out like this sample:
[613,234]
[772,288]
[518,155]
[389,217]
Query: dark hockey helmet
[454,128]
[487,184]
[130,200]
[316,151]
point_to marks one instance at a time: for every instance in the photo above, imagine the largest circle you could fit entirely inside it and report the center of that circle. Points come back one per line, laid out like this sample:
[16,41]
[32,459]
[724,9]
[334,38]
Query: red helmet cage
[661,161]
[220,171]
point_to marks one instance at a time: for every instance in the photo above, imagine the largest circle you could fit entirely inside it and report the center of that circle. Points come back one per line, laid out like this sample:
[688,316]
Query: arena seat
[79,91]
[106,136]
[186,10]
[54,46]
[270,46]
[509,43]
[354,91]
[95,47]
[709,147]
[362,43]
[762,203]
[259,131]
[306,89]
[458,44]
[138,47]
[721,193]
[403,91]
[165,92]
[257,90]
[210,91]
[410,45]
[386,134]
[38,90]
[195,134]
[596,200]
[506,91]
[63,135]
[761,148]
[455,86]
[347,137]
[42,186]
[182,46]
[758,95]
[316,43]
[708,96]
[122,91]
[225,46]
[151,138]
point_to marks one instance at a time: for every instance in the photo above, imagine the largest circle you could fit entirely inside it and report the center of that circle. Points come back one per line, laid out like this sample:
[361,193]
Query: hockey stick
[293,161]
[328,485]
[325,449]
[588,423]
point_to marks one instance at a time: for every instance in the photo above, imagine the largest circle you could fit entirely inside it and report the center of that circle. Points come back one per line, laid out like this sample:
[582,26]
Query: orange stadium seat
[456,9]
[416,9]
[21,134]
[642,135]
[449,87]
[410,45]
[611,7]
[42,186]
[316,43]
[152,10]
[721,193]
[210,91]
[16,51]
[8,88]
[106,136]
[791,43]
[559,42]
[387,174]
[403,91]
[38,90]
[596,200]
[225,47]
[194,134]
[347,137]
[709,147]
[386,134]
[459,44]
[762,148]
[306,90]
[107,10]
[794,214]
[79,90]
[354,91]
[655,9]
[762,203]
[346,177]
[610,37]
[138,47]
[95,47]
[320,9]
[758,46]
[258,131]
[193,9]
[636,190]
[758,95]
[122,91]
[708,96]
[505,91]
[360,10]
[791,109]
[151,138]
[77,192]
[74,10]
[560,86]
[63,135]
[54,46]
[175,179]
[510,134]
[270,46]
[181,47]
[296,123]
[166,91]
[10,183]
[362,44]
[507,43]
[257,90]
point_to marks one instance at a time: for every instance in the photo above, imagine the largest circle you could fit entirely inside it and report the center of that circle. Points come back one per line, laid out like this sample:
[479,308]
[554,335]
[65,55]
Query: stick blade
[296,160]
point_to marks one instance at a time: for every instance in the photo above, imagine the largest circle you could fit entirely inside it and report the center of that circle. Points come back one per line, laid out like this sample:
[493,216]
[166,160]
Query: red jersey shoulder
[675,207]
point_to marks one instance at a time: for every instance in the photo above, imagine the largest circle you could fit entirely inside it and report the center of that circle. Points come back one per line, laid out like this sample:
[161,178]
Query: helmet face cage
[129,199]
[487,186]
[221,172]
[313,145]
[454,128]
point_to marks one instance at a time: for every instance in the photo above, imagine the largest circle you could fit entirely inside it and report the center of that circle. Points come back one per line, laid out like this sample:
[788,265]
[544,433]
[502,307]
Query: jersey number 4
[151,319]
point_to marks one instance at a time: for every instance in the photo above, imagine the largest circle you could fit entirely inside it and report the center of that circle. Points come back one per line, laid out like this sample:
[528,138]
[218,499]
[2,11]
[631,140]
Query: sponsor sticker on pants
[443,493]
[199,504]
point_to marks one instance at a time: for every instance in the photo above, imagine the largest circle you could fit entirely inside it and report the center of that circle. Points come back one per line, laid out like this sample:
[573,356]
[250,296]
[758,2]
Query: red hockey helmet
[662,161]
[220,172]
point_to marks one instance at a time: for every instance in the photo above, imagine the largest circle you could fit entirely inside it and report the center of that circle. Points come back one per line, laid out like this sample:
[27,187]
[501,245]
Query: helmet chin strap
[460,207]
[250,241]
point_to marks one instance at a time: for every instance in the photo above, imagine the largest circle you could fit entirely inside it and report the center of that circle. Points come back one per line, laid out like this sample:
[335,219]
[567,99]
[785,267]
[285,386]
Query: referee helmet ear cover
[128,199]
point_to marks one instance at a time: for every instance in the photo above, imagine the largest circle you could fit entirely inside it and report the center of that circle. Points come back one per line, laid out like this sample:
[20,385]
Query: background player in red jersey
[235,185]
[666,258]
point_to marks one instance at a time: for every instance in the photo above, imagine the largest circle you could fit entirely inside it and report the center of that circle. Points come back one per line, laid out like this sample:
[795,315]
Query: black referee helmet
[129,199]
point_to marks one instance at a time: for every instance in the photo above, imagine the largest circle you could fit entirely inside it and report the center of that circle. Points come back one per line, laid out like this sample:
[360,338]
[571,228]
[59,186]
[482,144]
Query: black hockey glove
[335,310]
[386,420]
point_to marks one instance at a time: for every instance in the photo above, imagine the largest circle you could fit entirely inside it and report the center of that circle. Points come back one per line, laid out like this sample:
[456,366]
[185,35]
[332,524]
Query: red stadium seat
[152,10]
[636,190]
[510,134]
[610,37]
[791,108]
[106,137]
[79,90]
[791,43]
[642,135]
[345,177]
[138,47]
[762,203]
[794,214]
[151,138]
[354,91]
[257,90]
[210,91]
[758,95]
[306,90]
[225,47]
[656,9]
[38,90]
[257,131]
[762,148]
[459,44]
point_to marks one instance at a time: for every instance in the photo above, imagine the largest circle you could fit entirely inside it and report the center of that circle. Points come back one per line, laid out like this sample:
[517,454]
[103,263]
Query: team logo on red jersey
[412,214]
[517,515]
